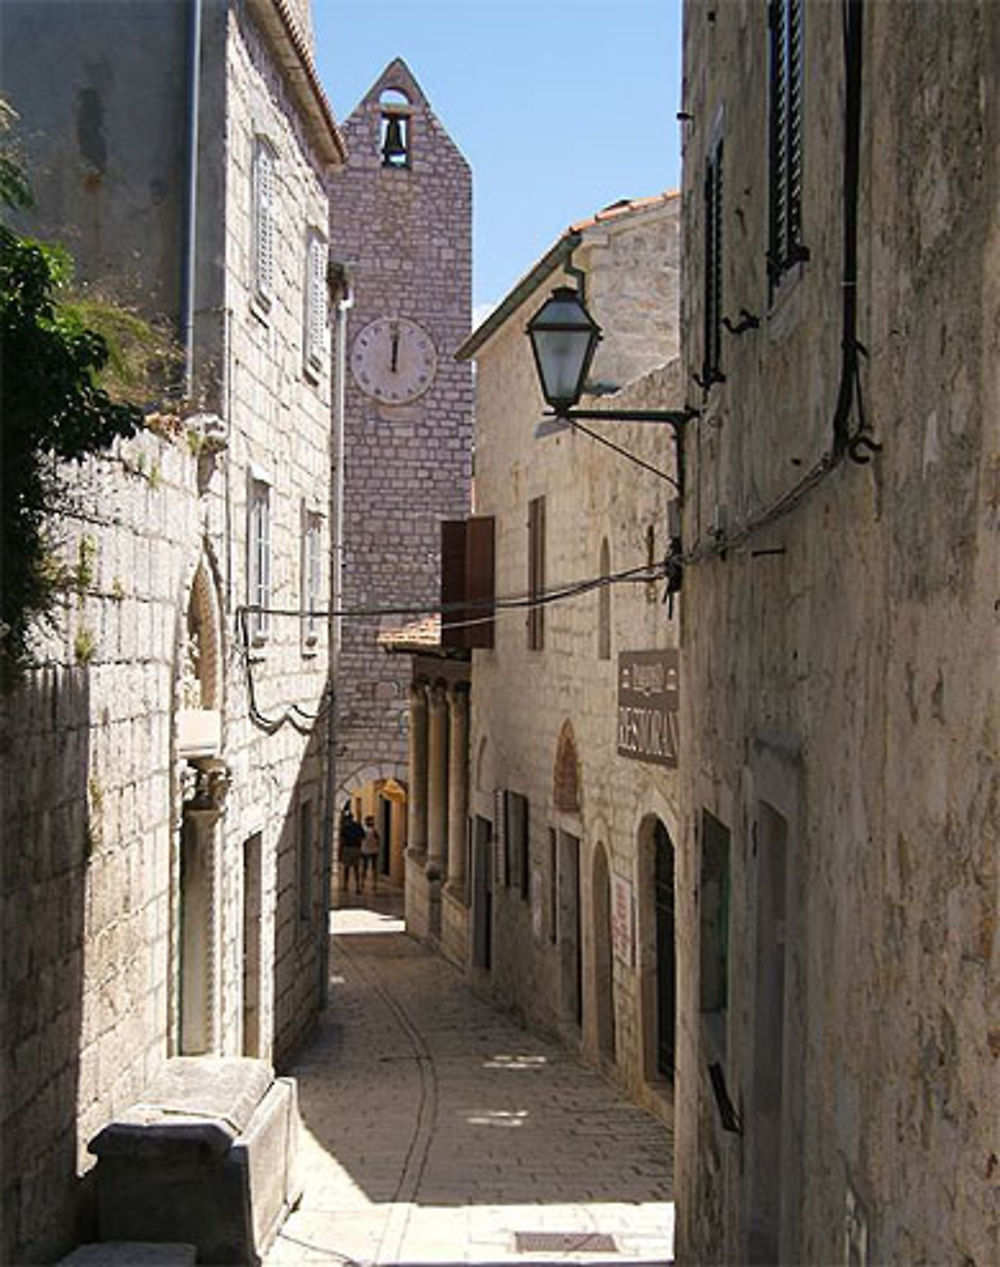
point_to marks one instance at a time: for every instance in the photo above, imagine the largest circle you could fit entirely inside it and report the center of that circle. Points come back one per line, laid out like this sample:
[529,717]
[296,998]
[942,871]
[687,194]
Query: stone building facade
[838,860]
[166,766]
[400,221]
[573,815]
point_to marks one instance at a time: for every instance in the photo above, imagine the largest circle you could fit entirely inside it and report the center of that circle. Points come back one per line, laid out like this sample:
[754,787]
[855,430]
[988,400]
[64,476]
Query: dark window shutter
[712,368]
[480,580]
[785,247]
[536,572]
[467,582]
[453,615]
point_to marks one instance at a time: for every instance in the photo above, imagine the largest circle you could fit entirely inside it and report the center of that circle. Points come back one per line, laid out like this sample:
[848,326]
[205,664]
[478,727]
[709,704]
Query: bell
[394,145]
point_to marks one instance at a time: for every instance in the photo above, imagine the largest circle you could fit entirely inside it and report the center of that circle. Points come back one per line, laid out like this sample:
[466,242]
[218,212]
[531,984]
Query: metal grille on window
[263,218]
[712,368]
[785,246]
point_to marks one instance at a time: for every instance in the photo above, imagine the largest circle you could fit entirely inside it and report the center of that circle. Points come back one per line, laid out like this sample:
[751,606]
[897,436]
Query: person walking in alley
[369,852]
[352,836]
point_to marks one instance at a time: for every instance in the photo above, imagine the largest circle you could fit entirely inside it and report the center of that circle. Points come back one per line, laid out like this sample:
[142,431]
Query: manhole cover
[564,1243]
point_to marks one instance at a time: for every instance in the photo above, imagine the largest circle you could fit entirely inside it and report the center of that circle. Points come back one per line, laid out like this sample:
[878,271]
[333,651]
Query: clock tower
[401,223]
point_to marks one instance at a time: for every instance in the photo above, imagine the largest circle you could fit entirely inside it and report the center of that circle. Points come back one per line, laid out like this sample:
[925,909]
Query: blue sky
[560,106]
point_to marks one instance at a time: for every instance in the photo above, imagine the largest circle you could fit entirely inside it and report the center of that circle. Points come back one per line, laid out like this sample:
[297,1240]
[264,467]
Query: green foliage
[54,409]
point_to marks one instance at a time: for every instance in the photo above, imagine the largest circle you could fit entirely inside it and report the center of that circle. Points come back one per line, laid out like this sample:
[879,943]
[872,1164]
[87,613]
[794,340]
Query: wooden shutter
[316,316]
[785,246]
[263,217]
[712,368]
[467,582]
[536,573]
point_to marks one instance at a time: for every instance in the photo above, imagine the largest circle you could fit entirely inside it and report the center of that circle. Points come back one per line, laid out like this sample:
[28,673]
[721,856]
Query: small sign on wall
[648,706]
[622,922]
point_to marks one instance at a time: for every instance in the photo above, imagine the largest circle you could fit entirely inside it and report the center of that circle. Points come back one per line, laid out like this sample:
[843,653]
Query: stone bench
[208,1157]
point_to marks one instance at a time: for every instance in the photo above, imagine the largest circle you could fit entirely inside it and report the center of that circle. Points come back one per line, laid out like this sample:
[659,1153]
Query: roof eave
[530,282]
[299,72]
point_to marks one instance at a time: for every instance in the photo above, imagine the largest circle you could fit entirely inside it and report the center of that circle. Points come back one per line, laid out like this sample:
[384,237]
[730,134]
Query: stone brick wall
[94,784]
[406,234]
[522,699]
[840,662]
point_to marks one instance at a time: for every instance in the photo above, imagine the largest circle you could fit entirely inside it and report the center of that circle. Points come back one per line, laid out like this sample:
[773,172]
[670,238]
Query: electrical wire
[303,721]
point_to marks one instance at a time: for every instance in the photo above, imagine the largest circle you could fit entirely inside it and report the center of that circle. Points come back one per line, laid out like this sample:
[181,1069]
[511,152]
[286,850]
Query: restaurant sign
[648,703]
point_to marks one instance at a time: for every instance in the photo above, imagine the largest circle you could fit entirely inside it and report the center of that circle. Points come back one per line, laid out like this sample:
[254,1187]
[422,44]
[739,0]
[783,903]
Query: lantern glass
[564,338]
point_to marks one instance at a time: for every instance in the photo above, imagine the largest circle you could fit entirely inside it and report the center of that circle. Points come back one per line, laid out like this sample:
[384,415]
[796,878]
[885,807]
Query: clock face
[393,359]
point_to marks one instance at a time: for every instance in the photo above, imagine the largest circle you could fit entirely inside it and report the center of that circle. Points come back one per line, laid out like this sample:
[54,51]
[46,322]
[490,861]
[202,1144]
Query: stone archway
[603,966]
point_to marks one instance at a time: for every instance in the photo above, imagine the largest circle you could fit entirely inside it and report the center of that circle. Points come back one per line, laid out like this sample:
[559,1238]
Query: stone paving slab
[437,1129]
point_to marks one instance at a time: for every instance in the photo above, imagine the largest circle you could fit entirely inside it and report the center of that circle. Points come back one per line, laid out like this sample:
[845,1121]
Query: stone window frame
[312,577]
[259,554]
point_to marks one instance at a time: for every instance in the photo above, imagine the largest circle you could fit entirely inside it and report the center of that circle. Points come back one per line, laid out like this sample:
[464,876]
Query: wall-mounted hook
[862,442]
[746,322]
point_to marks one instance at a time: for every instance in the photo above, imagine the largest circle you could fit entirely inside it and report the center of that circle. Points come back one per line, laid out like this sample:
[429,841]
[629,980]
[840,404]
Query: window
[312,578]
[714,926]
[259,558]
[305,861]
[467,582]
[501,849]
[785,246]
[314,339]
[604,605]
[553,887]
[536,573]
[712,364]
[651,562]
[263,219]
[512,823]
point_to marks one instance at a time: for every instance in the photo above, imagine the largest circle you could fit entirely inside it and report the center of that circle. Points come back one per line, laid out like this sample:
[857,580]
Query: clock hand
[394,359]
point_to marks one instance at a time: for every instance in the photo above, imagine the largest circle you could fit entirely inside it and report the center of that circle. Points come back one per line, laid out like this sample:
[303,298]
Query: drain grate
[564,1243]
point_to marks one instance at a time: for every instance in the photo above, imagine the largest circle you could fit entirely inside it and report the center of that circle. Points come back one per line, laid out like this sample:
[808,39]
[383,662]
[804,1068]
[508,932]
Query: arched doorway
[603,961]
[666,952]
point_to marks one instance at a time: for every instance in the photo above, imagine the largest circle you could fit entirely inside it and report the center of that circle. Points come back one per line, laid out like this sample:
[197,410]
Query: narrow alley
[436,1130]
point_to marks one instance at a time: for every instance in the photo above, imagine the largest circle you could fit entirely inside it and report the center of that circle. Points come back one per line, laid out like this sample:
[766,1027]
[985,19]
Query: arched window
[604,605]
[566,780]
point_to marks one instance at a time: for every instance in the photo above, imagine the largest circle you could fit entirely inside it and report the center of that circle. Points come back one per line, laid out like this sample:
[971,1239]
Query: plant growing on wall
[61,392]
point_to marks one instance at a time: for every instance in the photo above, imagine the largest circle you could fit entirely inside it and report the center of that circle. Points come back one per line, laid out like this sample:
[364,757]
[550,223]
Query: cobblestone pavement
[439,1131]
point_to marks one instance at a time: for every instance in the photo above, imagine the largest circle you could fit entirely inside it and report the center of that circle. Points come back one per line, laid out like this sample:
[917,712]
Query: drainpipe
[340,278]
[189,260]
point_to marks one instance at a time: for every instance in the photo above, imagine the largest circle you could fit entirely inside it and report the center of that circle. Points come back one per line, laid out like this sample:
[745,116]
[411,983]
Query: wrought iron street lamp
[564,337]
